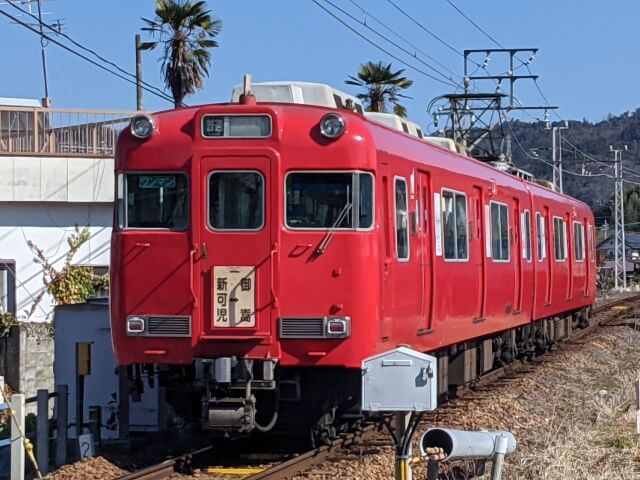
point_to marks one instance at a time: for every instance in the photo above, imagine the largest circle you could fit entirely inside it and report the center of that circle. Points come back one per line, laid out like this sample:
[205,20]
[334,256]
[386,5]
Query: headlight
[135,325]
[142,126]
[332,125]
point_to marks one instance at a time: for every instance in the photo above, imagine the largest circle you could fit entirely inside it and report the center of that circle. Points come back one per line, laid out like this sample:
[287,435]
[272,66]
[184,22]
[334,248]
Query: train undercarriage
[237,397]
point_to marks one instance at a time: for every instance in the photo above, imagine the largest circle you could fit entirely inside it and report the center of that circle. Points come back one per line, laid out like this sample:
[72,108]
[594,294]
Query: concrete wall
[56,179]
[49,225]
[29,357]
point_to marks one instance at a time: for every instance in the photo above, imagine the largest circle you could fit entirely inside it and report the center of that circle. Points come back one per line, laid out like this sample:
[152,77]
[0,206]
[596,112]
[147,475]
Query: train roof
[303,93]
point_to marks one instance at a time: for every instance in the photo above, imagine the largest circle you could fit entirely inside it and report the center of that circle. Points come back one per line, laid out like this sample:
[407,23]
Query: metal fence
[56,131]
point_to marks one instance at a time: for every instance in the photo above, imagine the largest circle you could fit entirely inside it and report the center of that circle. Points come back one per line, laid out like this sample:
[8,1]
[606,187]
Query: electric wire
[475,24]
[422,27]
[399,47]
[368,14]
[86,49]
[496,42]
[84,57]
[382,49]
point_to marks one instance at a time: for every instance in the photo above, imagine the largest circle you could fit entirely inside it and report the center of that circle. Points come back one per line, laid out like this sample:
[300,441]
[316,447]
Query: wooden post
[42,421]
[62,421]
[17,442]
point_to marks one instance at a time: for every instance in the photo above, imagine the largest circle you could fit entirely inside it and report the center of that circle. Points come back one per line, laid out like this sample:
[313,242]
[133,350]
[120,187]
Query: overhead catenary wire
[84,57]
[422,27]
[475,24]
[382,49]
[86,49]
[367,14]
[399,47]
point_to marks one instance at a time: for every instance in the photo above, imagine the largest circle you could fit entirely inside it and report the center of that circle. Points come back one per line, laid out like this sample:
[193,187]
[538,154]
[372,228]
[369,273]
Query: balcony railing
[60,132]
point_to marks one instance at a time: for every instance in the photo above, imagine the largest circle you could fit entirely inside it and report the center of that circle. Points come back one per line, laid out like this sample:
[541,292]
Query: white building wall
[56,179]
[48,224]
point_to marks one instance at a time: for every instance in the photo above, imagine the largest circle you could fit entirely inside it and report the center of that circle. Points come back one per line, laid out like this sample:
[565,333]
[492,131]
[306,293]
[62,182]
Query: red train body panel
[399,279]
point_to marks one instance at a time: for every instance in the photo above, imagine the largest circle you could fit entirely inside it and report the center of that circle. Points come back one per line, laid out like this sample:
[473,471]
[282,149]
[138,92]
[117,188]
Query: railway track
[601,315]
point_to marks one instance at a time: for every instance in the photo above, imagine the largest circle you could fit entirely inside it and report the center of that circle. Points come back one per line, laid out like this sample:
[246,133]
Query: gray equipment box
[400,380]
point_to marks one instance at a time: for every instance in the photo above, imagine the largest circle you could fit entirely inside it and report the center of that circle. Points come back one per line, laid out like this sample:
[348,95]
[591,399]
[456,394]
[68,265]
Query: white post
[637,382]
[17,442]
[498,461]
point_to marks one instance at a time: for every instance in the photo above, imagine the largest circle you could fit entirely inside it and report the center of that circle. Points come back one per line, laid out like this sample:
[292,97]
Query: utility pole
[139,103]
[619,249]
[43,45]
[140,46]
[557,157]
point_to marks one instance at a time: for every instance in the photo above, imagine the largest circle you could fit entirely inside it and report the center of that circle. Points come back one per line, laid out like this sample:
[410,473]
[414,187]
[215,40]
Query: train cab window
[526,235]
[499,232]
[560,239]
[402,219]
[578,241]
[153,201]
[541,240]
[236,200]
[454,224]
[334,200]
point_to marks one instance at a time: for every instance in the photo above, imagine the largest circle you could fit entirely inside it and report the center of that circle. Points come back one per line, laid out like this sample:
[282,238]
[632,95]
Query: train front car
[242,252]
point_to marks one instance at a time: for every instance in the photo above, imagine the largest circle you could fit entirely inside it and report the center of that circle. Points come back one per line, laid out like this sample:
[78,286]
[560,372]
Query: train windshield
[153,201]
[326,200]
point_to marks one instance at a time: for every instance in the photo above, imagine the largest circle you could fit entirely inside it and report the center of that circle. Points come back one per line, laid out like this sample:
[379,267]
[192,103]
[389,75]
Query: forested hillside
[594,140]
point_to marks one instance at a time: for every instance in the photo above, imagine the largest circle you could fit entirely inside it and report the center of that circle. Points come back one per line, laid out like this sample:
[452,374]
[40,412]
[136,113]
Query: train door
[478,258]
[234,261]
[548,261]
[424,248]
[517,257]
[403,273]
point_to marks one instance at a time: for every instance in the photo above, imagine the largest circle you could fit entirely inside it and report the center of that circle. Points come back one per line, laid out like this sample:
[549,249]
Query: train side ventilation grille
[169,326]
[302,328]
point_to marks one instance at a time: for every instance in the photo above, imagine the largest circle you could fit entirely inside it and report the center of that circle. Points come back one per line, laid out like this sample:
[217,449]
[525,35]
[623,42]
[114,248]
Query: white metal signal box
[400,380]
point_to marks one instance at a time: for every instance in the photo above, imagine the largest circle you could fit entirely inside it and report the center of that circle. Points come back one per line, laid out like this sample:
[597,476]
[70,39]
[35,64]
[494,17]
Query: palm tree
[186,30]
[383,86]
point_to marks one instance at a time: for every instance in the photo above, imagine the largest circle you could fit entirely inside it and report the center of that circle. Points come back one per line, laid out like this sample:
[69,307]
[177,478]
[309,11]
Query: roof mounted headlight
[142,126]
[332,125]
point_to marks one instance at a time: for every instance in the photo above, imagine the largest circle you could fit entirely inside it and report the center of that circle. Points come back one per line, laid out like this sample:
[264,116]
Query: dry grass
[573,417]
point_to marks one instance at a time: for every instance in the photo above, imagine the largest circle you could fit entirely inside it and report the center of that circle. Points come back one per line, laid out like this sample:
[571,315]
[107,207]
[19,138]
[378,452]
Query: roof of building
[20,102]
[632,240]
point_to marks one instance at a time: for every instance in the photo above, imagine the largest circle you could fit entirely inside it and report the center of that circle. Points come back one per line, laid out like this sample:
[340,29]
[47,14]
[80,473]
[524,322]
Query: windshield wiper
[326,240]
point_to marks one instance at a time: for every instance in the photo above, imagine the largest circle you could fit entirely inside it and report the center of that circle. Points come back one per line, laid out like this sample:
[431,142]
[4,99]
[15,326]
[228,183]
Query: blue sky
[588,59]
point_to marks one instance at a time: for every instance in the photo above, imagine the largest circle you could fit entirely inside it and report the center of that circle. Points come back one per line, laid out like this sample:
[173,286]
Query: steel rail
[304,461]
[299,464]
[165,468]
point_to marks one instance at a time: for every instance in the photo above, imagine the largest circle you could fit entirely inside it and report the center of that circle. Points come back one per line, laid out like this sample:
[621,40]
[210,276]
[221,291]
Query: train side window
[560,239]
[150,200]
[236,200]
[402,219]
[592,243]
[455,225]
[526,235]
[541,237]
[578,241]
[499,232]
[329,200]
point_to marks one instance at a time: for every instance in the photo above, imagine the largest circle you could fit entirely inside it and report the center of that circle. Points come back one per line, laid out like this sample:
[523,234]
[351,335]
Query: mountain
[593,139]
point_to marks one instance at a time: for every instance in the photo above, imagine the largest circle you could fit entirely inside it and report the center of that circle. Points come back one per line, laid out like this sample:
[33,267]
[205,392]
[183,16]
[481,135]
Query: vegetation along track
[370,435]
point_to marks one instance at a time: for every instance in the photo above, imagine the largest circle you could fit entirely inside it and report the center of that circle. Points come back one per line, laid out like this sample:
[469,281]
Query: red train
[261,251]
